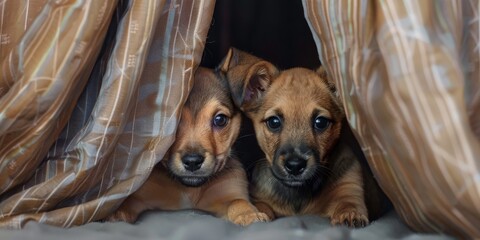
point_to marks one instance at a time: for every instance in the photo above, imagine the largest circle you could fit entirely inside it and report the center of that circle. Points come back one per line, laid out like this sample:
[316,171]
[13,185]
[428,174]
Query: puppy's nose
[295,166]
[192,162]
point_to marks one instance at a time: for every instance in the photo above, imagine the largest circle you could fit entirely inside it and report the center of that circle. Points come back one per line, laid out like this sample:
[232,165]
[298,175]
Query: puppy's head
[207,130]
[296,115]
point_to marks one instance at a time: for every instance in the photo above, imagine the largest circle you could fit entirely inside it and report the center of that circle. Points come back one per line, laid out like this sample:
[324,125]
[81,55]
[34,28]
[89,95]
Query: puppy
[299,125]
[198,171]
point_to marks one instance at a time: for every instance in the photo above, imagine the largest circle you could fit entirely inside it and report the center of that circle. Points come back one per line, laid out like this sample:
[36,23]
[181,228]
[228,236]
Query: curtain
[90,95]
[409,78]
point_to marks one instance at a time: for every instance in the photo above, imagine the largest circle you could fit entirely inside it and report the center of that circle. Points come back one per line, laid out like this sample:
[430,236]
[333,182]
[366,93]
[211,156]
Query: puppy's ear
[322,72]
[330,82]
[248,76]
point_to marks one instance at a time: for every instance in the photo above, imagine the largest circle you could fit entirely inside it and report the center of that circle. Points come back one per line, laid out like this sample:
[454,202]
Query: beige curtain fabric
[90,93]
[409,78]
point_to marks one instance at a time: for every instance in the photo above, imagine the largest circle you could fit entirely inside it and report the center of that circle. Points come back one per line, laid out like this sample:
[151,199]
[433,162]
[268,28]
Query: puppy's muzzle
[193,176]
[192,162]
[292,165]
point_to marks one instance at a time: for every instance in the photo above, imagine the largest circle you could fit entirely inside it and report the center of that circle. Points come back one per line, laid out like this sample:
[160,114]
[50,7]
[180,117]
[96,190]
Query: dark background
[275,30]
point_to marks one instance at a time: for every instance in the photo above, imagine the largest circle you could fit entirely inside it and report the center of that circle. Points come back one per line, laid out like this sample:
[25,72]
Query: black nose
[295,166]
[192,162]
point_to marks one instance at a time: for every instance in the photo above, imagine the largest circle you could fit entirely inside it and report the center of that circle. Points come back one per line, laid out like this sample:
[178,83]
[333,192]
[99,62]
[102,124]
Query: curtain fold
[408,73]
[40,80]
[83,125]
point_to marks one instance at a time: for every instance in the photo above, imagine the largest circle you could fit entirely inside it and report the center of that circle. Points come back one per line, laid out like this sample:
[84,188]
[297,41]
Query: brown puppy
[198,171]
[298,123]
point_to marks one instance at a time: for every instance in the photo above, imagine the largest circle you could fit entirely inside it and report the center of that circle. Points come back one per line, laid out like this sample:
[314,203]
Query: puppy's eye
[220,120]
[274,123]
[321,123]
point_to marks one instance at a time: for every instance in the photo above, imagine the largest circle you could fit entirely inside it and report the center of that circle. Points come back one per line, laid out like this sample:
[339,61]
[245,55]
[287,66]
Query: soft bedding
[198,226]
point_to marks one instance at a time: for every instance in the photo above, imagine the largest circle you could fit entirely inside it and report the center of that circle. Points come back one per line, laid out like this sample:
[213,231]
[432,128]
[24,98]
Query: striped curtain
[90,93]
[409,74]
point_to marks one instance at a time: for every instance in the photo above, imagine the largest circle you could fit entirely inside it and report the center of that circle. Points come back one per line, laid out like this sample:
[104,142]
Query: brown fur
[330,183]
[219,186]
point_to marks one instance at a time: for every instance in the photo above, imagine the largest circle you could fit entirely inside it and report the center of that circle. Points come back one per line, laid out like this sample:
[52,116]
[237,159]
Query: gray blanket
[199,226]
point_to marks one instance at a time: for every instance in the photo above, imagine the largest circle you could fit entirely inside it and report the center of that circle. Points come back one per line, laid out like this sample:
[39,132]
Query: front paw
[246,219]
[350,217]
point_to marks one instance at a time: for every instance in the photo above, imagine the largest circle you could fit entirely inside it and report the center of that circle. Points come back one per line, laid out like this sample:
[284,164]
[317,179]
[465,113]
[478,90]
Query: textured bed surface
[198,226]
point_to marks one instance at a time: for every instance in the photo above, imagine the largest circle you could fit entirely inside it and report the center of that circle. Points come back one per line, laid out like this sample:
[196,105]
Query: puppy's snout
[192,162]
[295,165]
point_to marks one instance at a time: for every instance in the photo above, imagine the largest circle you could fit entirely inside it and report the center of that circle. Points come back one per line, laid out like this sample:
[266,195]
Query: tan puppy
[198,171]
[298,123]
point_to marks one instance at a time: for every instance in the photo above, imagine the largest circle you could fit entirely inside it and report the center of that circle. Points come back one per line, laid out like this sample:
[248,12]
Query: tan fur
[297,96]
[225,194]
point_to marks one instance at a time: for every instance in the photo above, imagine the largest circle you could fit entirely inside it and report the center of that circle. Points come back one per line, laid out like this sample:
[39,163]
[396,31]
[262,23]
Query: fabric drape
[67,157]
[409,78]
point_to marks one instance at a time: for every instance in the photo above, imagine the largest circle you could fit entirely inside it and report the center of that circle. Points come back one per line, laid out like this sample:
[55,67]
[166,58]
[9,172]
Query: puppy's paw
[120,215]
[248,218]
[350,217]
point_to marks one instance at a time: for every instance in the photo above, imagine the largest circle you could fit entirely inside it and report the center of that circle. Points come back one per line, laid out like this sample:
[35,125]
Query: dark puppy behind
[198,171]
[300,126]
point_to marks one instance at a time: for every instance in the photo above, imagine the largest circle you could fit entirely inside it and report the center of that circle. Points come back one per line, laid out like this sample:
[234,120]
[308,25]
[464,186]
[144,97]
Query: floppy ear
[248,77]
[330,82]
[322,72]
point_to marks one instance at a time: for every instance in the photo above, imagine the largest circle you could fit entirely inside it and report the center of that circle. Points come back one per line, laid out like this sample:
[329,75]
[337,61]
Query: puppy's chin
[293,183]
[304,180]
[189,179]
[192,181]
